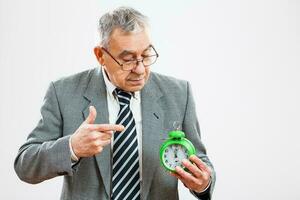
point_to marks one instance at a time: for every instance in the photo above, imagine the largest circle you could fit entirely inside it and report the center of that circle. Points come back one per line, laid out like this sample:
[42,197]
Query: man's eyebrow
[128,52]
[125,53]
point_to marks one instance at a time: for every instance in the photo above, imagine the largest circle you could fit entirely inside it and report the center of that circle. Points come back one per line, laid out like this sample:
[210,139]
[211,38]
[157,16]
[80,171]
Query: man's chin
[134,88]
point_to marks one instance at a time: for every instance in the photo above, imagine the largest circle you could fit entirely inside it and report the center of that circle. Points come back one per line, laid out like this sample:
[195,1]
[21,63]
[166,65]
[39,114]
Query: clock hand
[175,153]
[176,156]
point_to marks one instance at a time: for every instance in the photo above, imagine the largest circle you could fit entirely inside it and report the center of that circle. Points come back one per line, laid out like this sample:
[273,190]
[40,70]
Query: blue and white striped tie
[126,170]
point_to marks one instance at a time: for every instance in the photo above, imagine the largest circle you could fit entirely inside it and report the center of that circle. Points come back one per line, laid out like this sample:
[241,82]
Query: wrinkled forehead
[133,41]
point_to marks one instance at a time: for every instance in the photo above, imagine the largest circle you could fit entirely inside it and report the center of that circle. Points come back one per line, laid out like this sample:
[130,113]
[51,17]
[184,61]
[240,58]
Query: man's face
[124,47]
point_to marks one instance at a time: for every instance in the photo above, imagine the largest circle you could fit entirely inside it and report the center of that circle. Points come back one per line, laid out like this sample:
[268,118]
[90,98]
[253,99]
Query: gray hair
[126,18]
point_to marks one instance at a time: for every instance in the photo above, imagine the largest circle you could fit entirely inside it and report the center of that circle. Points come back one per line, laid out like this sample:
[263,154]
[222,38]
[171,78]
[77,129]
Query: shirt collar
[109,86]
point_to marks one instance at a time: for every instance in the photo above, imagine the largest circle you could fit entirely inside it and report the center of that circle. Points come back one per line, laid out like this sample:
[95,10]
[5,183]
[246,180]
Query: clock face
[174,154]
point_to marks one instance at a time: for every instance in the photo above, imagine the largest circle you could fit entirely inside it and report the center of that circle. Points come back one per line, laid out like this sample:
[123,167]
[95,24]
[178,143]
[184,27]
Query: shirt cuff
[74,158]
[203,191]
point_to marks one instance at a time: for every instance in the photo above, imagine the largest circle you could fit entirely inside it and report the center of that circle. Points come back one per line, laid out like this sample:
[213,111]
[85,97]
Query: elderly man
[102,129]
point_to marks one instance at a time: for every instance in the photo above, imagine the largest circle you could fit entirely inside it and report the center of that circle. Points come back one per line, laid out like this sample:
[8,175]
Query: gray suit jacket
[46,153]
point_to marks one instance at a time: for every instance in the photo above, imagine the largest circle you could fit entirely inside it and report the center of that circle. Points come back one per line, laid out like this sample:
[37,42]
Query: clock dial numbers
[174,154]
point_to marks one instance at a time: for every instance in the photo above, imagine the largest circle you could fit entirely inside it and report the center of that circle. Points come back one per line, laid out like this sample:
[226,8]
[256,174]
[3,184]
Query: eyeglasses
[129,65]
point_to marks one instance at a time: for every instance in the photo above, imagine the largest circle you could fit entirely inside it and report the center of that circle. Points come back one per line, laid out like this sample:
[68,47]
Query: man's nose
[140,68]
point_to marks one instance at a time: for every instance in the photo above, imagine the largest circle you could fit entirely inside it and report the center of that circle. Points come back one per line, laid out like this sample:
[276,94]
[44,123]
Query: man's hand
[89,139]
[198,177]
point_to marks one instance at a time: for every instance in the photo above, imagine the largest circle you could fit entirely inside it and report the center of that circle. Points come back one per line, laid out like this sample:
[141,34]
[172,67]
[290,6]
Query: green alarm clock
[175,149]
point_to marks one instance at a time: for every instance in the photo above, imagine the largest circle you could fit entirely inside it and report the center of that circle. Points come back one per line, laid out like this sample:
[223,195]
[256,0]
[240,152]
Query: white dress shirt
[113,110]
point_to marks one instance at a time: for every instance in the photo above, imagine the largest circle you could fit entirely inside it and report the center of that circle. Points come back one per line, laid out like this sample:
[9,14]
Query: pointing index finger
[107,127]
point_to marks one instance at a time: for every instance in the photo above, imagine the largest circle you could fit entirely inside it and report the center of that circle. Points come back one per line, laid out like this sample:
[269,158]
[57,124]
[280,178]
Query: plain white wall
[241,56]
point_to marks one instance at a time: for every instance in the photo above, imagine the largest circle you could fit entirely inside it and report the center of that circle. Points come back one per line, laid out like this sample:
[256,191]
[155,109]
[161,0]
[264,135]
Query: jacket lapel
[152,126]
[96,95]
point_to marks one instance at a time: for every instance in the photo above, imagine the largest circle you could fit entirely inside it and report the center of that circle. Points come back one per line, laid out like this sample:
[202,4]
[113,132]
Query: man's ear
[99,54]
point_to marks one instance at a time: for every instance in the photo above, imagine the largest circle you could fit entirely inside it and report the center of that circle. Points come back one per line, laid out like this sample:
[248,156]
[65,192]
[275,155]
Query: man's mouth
[136,81]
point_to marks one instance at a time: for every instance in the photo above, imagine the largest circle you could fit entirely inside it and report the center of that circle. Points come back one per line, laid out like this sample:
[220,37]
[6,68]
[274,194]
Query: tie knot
[123,97]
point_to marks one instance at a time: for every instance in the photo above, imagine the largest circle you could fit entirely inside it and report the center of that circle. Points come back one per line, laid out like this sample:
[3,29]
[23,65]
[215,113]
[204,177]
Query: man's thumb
[92,115]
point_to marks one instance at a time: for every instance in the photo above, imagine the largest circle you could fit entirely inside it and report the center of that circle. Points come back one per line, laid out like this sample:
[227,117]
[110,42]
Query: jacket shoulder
[169,84]
[77,81]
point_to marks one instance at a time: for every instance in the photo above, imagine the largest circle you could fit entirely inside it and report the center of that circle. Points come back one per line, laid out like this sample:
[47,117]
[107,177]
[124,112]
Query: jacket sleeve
[192,130]
[46,152]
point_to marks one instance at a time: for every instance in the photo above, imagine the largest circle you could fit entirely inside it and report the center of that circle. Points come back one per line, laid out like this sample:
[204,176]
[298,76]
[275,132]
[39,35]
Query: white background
[241,56]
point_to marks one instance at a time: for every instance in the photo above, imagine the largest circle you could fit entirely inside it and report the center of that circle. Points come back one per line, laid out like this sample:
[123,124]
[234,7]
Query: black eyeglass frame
[136,60]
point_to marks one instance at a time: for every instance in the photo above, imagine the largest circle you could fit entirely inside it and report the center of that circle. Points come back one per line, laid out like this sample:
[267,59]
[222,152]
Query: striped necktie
[125,171]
